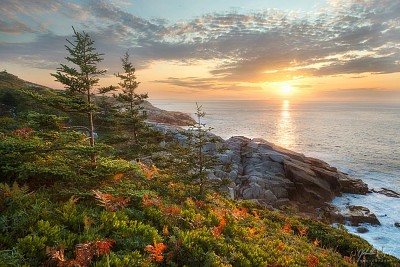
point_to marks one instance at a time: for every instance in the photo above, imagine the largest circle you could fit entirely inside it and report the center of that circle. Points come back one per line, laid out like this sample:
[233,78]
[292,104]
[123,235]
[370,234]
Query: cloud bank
[350,37]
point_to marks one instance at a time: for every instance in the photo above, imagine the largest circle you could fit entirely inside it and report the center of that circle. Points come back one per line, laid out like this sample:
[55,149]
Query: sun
[287,89]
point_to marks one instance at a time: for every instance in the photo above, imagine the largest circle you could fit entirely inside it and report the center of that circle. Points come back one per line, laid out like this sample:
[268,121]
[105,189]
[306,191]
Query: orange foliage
[303,231]
[165,230]
[348,259]
[118,176]
[287,228]
[151,201]
[171,212]
[83,253]
[312,261]
[23,132]
[280,246]
[102,247]
[217,230]
[316,242]
[156,251]
[219,212]
[256,215]
[56,254]
[110,202]
[149,171]
[252,232]
[240,213]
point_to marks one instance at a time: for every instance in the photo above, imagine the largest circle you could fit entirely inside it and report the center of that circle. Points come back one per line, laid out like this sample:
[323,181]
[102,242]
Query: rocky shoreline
[278,178]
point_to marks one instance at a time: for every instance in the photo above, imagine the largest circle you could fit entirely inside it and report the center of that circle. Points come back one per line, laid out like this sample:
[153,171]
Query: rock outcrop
[276,177]
[357,215]
[386,192]
[269,174]
[155,114]
[352,215]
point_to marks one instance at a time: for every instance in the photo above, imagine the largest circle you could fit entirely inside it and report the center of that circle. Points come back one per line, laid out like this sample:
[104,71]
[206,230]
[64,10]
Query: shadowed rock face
[273,175]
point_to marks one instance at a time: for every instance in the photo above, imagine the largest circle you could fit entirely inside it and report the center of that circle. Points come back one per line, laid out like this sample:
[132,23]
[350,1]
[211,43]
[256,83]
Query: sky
[322,50]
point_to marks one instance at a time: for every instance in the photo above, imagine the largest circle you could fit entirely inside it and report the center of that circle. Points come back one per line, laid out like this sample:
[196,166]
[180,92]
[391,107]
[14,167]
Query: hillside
[144,202]
[11,84]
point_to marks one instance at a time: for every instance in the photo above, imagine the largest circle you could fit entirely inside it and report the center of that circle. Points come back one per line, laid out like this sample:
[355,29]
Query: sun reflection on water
[285,127]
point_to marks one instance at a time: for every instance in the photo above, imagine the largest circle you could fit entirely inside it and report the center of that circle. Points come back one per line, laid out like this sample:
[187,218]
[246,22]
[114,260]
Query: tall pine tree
[81,78]
[132,114]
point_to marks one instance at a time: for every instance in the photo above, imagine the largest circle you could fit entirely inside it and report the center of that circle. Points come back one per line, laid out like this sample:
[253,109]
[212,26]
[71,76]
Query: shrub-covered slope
[59,208]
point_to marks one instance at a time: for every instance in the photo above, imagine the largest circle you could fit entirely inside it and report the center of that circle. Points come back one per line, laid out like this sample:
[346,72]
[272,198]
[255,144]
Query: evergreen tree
[132,113]
[107,109]
[201,160]
[81,79]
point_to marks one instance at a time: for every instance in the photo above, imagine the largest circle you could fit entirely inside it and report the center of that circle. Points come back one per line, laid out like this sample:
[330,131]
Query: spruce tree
[201,160]
[82,78]
[132,115]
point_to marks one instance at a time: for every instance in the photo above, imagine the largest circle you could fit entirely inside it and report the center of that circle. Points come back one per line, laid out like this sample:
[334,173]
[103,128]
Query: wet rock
[386,192]
[351,185]
[397,224]
[362,230]
[357,215]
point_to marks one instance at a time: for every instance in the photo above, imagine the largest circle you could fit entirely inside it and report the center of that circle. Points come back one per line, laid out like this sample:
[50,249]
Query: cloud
[350,37]
[14,27]
[200,84]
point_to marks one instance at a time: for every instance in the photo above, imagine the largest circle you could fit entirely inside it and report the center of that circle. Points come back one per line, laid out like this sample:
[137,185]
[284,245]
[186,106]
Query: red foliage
[200,204]
[312,260]
[240,213]
[171,212]
[287,228]
[151,201]
[102,247]
[217,230]
[110,202]
[148,171]
[23,132]
[156,251]
[83,253]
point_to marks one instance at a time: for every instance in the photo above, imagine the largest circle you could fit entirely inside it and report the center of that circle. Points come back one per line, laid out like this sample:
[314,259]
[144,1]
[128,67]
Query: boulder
[357,215]
[269,197]
[362,230]
[255,191]
[351,185]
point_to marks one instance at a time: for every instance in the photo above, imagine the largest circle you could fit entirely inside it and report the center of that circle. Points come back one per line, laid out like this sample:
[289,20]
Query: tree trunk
[91,139]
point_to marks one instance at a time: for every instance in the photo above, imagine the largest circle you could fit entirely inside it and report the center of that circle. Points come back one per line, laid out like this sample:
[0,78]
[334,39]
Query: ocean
[361,139]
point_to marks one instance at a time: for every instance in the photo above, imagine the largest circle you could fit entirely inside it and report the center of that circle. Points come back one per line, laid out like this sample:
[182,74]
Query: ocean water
[361,139]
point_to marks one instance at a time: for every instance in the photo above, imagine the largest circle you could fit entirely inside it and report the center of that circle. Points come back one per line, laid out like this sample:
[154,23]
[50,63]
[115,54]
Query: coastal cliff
[278,178]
